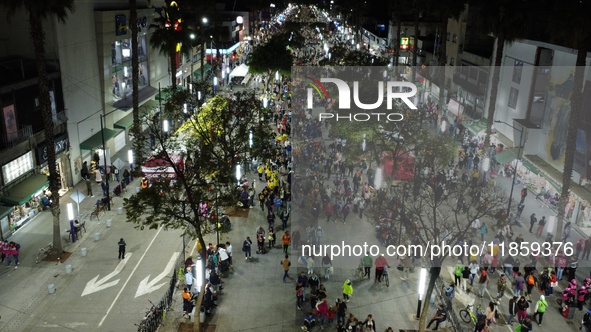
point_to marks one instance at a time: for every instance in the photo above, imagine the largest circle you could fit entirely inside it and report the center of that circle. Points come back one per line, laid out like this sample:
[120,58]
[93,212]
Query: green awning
[96,141]
[506,157]
[24,191]
[125,122]
[206,69]
[476,126]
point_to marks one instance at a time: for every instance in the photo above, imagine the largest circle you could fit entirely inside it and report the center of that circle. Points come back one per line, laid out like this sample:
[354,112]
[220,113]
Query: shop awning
[124,122]
[96,141]
[206,69]
[125,104]
[506,157]
[24,191]
[475,127]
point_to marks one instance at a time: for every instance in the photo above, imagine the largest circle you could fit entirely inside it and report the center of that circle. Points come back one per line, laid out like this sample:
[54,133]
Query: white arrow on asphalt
[146,287]
[95,285]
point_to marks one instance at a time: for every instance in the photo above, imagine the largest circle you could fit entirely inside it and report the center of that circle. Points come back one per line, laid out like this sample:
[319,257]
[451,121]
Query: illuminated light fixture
[239,20]
[165,126]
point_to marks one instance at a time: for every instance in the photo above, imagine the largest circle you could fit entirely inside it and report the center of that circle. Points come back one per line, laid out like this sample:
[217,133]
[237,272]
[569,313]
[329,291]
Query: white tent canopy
[239,71]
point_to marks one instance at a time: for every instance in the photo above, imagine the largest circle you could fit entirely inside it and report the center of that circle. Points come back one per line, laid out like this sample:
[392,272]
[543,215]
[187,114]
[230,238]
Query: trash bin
[97,236]
[109,223]
[83,252]
[51,288]
[69,268]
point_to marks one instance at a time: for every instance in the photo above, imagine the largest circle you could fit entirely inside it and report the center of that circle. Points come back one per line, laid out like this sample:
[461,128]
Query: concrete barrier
[51,288]
[68,268]
[83,252]
[120,210]
[97,236]
[109,223]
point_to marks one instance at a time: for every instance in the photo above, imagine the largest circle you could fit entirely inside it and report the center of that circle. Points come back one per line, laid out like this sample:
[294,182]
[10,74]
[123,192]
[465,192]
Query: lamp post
[485,168]
[421,291]
[192,36]
[519,149]
[130,159]
[102,116]
[71,218]
[203,22]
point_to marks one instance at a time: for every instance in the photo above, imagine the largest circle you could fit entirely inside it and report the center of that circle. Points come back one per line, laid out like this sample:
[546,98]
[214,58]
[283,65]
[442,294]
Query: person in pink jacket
[12,252]
[380,263]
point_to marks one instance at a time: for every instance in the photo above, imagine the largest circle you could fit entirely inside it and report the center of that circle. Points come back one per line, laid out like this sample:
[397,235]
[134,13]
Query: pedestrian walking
[587,249]
[532,221]
[13,252]
[483,231]
[189,278]
[482,283]
[347,290]
[474,268]
[246,244]
[286,264]
[522,306]
[310,264]
[458,273]
[285,241]
[122,245]
[540,309]
[512,309]
[229,251]
[271,237]
[541,225]
[501,286]
[367,263]
[327,266]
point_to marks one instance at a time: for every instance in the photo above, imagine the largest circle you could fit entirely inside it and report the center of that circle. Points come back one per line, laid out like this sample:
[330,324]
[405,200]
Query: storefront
[24,199]
[62,163]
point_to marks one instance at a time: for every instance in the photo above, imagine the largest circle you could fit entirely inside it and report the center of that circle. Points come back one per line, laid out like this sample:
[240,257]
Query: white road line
[126,281]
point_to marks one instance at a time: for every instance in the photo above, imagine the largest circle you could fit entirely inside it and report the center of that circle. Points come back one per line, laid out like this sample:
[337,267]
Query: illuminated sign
[404,43]
[14,169]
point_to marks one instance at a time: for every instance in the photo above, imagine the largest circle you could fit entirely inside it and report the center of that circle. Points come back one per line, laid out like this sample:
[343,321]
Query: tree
[170,35]
[271,57]
[571,25]
[506,20]
[216,139]
[137,128]
[444,210]
[38,12]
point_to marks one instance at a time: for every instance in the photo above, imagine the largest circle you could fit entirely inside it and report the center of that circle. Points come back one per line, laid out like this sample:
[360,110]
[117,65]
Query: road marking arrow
[94,286]
[146,287]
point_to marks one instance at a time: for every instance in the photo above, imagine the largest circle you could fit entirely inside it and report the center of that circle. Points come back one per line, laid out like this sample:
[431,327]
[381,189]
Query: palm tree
[505,20]
[170,35]
[572,27]
[39,11]
[137,129]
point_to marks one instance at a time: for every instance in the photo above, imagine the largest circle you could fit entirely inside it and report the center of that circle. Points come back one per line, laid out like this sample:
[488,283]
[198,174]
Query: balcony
[15,138]
[474,87]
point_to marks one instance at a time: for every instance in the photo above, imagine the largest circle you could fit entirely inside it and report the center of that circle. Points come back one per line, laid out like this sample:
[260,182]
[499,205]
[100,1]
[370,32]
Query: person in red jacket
[12,252]
[380,263]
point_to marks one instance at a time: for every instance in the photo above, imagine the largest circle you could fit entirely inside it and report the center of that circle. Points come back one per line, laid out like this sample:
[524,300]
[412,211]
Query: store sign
[20,166]
[62,143]
[120,25]
[404,43]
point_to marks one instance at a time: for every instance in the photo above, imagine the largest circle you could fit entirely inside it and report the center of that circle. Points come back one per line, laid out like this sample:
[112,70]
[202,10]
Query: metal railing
[154,318]
[19,136]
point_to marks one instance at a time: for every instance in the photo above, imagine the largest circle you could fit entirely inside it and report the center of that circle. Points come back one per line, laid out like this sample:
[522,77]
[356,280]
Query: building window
[513,94]
[517,69]
[455,38]
[121,67]
[448,36]
[451,62]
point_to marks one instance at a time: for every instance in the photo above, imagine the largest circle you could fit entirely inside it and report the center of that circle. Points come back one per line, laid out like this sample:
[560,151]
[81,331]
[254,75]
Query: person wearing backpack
[540,309]
[530,283]
[501,286]
[518,283]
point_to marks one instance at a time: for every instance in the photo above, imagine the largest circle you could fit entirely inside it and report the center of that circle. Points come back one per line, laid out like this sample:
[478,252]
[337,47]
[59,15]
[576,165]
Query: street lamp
[238,173]
[485,168]
[215,84]
[165,126]
[250,139]
[519,149]
[363,145]
[422,282]
[203,22]
[70,208]
[130,159]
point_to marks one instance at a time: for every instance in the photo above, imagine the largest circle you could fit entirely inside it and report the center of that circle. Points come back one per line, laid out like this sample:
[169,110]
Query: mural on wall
[556,114]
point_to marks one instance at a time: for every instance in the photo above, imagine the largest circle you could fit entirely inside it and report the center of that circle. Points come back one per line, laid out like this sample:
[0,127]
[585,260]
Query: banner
[10,125]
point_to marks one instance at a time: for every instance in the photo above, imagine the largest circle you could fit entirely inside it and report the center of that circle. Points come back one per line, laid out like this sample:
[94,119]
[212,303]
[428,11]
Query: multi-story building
[89,62]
